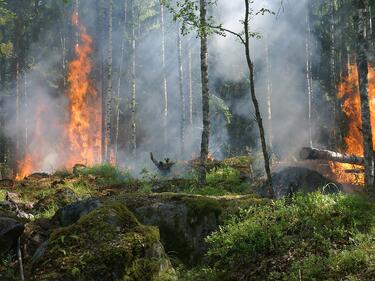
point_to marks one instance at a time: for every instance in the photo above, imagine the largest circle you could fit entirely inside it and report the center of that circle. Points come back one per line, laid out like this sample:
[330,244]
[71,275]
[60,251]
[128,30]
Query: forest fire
[83,129]
[80,139]
[348,93]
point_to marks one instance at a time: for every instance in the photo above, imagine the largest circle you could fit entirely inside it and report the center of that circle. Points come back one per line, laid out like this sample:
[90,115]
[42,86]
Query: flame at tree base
[348,94]
[79,135]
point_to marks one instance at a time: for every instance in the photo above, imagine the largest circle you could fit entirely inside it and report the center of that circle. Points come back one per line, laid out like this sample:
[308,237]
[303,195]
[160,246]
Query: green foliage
[187,12]
[221,181]
[6,49]
[218,106]
[106,174]
[317,236]
[5,15]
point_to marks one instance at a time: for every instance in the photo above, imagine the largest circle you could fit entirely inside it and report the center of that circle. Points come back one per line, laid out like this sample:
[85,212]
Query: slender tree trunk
[102,72]
[18,107]
[362,65]
[119,82]
[133,83]
[255,100]
[3,143]
[269,98]
[370,28]
[205,94]
[308,75]
[25,107]
[333,80]
[109,96]
[165,88]
[76,10]
[181,89]
[190,85]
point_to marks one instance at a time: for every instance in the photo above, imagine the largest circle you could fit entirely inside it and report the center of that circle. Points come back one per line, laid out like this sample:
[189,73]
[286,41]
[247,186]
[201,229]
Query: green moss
[107,244]
[2,194]
[199,206]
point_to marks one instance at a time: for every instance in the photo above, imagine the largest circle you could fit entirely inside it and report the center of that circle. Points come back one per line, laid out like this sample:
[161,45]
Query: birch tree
[165,86]
[109,97]
[186,13]
[182,95]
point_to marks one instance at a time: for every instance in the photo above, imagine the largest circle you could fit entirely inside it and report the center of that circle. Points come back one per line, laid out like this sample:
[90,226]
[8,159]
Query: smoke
[284,34]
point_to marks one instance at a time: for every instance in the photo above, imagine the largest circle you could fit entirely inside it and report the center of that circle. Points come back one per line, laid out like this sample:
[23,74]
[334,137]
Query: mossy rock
[184,221]
[107,244]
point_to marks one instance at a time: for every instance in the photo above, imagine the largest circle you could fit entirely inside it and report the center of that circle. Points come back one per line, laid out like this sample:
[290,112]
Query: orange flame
[80,140]
[348,93]
[83,130]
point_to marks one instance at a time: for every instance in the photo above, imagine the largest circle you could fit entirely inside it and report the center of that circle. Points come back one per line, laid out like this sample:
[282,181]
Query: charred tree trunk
[205,94]
[181,89]
[362,65]
[255,100]
[309,153]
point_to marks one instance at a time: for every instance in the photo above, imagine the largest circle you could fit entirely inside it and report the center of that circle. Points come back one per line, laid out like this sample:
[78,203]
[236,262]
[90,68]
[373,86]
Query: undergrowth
[106,174]
[306,237]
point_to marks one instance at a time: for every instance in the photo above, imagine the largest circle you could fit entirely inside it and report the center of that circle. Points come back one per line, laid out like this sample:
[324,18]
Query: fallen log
[309,153]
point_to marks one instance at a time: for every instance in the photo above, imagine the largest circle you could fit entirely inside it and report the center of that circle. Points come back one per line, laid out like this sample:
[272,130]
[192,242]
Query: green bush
[106,174]
[316,236]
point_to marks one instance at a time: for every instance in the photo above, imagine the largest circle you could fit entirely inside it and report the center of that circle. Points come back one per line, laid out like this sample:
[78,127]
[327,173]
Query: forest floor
[99,223]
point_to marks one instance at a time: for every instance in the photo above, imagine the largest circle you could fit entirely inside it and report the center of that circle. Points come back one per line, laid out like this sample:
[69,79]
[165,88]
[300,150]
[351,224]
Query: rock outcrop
[106,244]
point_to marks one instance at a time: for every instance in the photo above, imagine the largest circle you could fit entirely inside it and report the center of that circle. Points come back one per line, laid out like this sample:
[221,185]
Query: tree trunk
[333,81]
[308,153]
[205,94]
[118,99]
[102,73]
[76,10]
[25,108]
[362,65]
[18,107]
[269,98]
[370,33]
[165,88]
[109,97]
[255,100]
[190,85]
[308,75]
[133,83]
[182,96]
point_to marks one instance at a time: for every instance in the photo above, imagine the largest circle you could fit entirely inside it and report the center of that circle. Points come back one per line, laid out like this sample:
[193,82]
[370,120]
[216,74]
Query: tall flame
[80,135]
[83,130]
[348,93]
